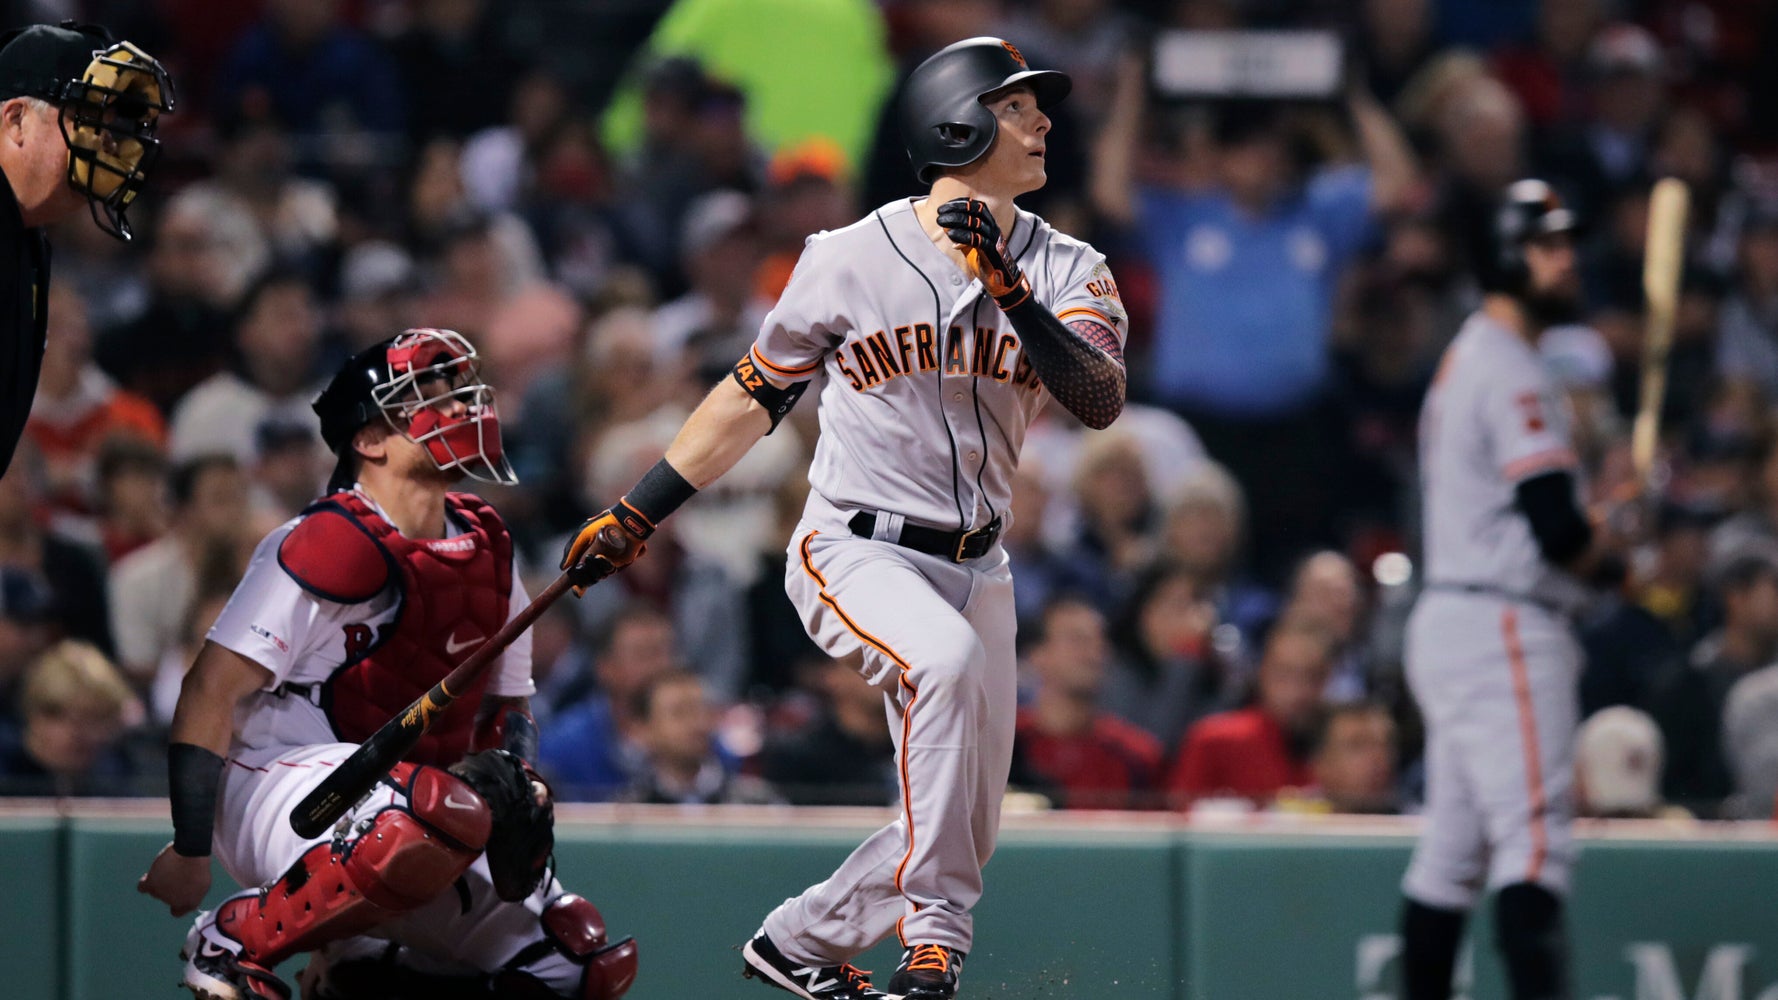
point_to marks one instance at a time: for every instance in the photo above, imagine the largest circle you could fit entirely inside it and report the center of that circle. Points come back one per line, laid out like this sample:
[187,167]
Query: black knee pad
[1533,941]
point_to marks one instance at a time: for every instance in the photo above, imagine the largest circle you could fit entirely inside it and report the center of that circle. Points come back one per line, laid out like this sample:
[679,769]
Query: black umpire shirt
[24,320]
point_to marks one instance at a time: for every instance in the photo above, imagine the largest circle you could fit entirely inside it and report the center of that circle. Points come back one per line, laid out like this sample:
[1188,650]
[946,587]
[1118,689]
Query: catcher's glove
[524,833]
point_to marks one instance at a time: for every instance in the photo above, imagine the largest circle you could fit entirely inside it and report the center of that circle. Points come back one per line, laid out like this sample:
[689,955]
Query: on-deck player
[937,328]
[1490,655]
[346,614]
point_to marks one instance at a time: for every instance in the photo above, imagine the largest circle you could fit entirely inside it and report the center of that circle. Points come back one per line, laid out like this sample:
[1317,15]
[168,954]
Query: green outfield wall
[1138,907]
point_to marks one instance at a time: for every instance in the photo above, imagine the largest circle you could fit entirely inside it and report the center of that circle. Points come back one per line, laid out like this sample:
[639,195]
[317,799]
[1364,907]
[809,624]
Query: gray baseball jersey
[1492,419]
[927,393]
[925,398]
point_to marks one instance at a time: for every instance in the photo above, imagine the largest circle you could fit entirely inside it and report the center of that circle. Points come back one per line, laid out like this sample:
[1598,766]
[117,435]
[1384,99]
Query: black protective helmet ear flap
[943,121]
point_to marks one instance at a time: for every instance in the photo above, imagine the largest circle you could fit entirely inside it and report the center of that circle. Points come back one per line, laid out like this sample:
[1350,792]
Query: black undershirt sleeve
[1080,363]
[1557,522]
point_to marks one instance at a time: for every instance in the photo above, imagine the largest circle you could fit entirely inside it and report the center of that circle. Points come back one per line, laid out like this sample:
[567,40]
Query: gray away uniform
[925,398]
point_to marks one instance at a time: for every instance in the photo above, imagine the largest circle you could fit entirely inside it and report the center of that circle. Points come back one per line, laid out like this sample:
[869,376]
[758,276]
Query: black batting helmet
[1529,209]
[942,117]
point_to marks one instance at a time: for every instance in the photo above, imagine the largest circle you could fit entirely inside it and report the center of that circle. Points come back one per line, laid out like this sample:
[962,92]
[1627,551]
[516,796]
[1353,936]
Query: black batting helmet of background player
[943,120]
[1529,209]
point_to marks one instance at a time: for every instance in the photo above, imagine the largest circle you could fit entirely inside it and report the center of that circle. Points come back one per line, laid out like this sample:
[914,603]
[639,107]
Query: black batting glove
[971,226]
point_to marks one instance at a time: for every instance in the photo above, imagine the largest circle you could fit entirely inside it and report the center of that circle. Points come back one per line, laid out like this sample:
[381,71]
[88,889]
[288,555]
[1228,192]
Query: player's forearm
[202,729]
[724,427]
[1112,183]
[1080,363]
[1394,170]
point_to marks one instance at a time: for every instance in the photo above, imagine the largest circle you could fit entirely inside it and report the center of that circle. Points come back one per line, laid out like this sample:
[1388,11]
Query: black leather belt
[957,546]
[1489,590]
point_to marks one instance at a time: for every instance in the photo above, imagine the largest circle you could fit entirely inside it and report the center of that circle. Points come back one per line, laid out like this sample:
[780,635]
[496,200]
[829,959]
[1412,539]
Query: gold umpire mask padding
[109,119]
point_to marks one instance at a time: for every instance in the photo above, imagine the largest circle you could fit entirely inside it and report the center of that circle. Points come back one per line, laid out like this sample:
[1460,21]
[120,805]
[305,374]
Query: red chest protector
[451,594]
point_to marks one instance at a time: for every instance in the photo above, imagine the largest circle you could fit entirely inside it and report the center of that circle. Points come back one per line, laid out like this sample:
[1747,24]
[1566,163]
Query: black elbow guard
[1561,530]
[777,402]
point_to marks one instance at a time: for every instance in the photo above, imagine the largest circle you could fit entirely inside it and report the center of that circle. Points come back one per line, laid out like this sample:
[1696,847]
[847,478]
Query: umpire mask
[109,118]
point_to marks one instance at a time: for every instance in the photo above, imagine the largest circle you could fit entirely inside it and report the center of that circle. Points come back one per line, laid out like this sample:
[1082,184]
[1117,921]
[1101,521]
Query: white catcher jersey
[302,640]
[926,393]
[1492,419]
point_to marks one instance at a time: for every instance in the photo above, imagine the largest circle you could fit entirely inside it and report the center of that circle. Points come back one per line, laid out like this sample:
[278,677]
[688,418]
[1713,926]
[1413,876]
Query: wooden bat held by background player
[1661,268]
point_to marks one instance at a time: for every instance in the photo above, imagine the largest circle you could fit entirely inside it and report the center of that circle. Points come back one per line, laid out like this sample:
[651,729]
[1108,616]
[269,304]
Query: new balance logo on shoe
[762,960]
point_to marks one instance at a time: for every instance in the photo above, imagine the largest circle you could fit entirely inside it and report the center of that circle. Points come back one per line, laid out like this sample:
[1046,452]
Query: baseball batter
[936,329]
[437,882]
[1490,657]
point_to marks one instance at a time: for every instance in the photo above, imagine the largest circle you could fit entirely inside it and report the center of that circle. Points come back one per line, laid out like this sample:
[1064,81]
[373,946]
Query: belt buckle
[986,533]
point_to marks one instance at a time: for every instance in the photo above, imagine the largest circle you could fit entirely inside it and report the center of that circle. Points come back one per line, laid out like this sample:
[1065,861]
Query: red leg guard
[578,930]
[408,855]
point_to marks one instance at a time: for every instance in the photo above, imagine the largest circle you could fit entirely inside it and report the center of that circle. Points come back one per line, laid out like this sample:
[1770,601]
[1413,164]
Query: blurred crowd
[606,197]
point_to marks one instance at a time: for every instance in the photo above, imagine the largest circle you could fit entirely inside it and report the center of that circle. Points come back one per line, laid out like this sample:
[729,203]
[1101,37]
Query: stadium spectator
[277,337]
[1550,74]
[289,466]
[591,748]
[75,706]
[297,216]
[807,191]
[1206,521]
[25,632]
[338,91]
[1118,519]
[845,755]
[1248,267]
[772,61]
[680,764]
[457,68]
[1395,40]
[1625,97]
[132,501]
[1747,350]
[71,571]
[1352,762]
[1326,593]
[207,249]
[1689,705]
[152,588]
[707,607]
[1167,674]
[1065,743]
[78,408]
[1041,572]
[1617,767]
[1256,752]
[169,674]
[377,283]
[715,321]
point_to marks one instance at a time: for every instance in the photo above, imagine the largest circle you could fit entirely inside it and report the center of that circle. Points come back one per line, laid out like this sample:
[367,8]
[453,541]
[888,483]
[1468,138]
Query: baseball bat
[1661,265]
[353,778]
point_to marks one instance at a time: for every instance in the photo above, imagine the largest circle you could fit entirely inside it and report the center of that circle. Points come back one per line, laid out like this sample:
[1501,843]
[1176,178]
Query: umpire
[78,114]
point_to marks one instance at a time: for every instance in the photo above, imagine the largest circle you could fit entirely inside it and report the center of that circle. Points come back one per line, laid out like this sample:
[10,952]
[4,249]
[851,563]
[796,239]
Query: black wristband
[659,492]
[193,775]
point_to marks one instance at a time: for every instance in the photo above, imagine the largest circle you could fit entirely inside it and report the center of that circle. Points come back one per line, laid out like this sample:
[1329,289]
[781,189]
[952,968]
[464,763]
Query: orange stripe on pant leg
[907,797]
[1515,656]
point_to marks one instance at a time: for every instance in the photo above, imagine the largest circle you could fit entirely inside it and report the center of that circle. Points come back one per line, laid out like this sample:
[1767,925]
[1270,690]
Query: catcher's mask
[109,97]
[427,385]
